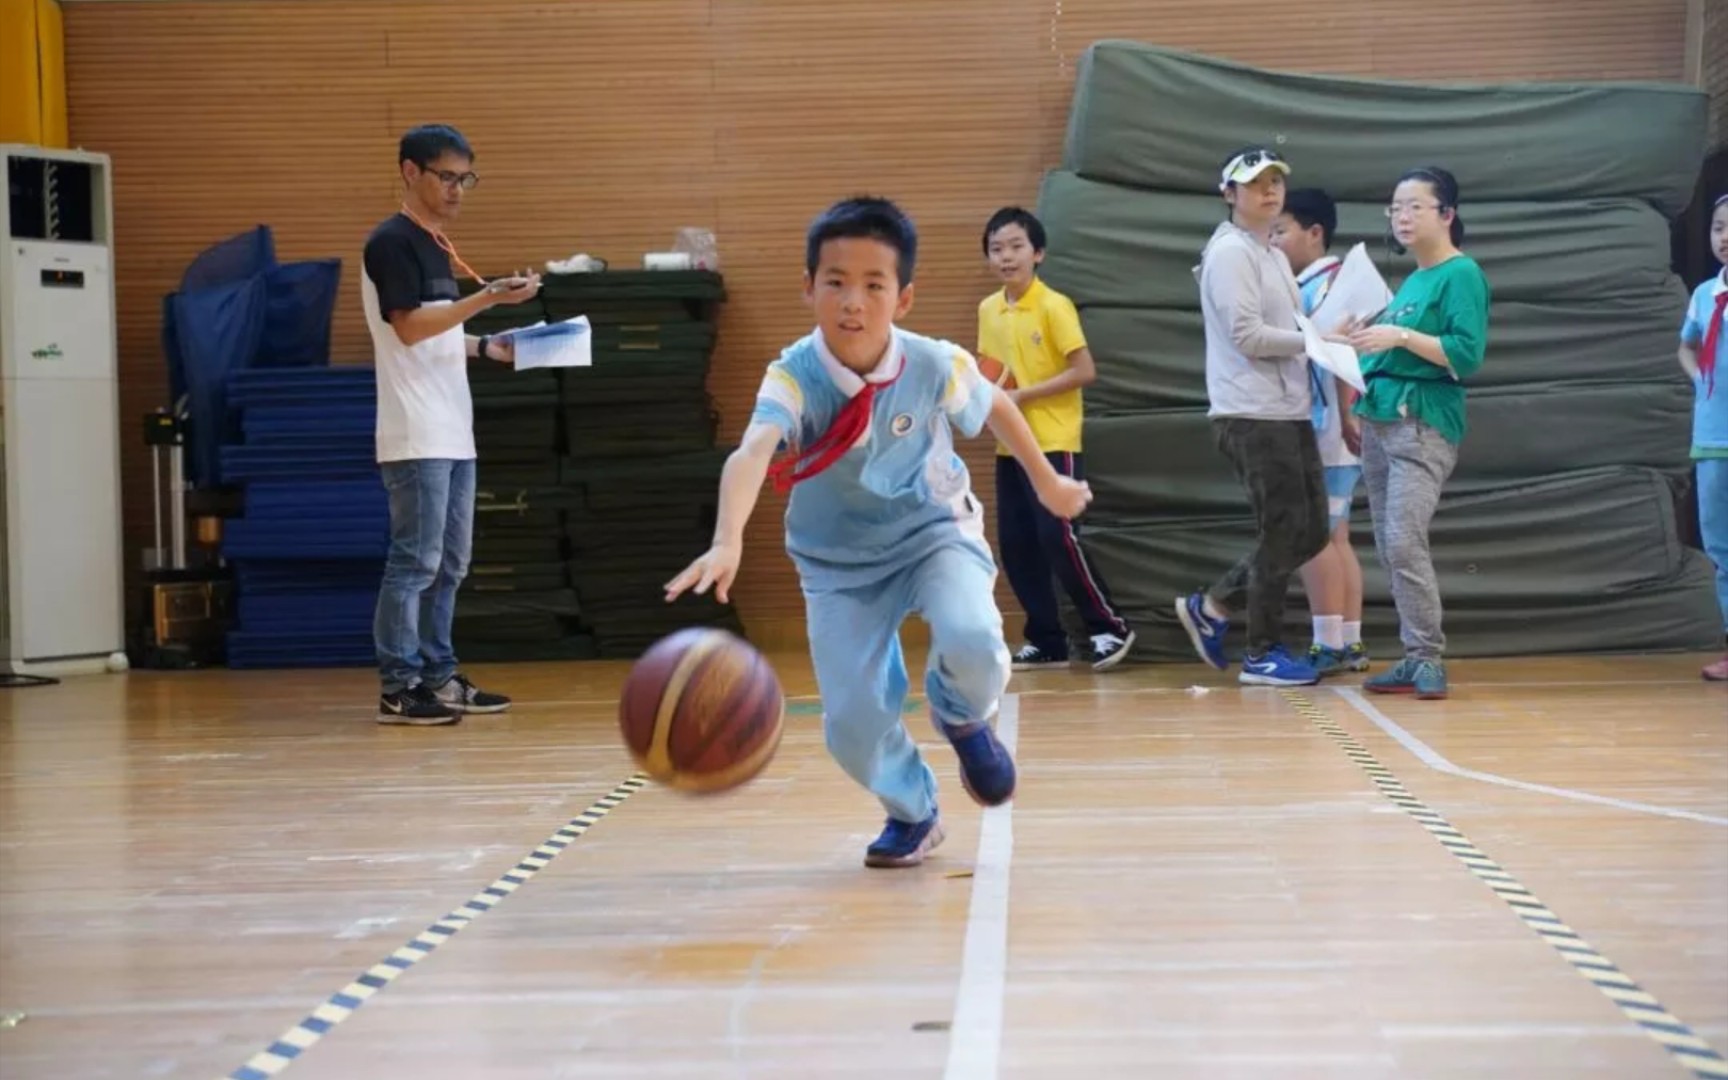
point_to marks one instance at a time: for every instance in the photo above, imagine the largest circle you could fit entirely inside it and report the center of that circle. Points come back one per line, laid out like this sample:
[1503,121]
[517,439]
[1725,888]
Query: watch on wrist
[485,340]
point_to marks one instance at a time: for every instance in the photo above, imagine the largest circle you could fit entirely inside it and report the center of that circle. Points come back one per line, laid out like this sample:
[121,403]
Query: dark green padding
[1581,561]
[478,603]
[495,575]
[1160,466]
[1154,358]
[1161,118]
[1126,247]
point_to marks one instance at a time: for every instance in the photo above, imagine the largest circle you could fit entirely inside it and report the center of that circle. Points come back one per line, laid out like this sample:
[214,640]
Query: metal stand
[164,430]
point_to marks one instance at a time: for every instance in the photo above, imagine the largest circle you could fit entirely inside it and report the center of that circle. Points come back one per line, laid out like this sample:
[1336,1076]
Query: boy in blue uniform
[882,521]
[1333,578]
[1703,353]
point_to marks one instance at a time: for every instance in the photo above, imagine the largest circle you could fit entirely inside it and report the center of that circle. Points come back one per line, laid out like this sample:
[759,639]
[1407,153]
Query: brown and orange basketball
[701,711]
[996,371]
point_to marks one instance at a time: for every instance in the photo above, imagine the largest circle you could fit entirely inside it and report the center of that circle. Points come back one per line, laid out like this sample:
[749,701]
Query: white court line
[975,1039]
[1432,758]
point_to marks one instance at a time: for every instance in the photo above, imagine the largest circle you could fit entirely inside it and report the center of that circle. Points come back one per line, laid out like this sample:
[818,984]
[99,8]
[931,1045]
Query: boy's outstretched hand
[717,567]
[1065,497]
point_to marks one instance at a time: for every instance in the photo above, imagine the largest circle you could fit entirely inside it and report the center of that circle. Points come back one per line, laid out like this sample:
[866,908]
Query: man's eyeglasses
[464,180]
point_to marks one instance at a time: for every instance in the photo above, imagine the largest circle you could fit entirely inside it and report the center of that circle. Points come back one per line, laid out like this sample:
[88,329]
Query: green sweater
[1448,301]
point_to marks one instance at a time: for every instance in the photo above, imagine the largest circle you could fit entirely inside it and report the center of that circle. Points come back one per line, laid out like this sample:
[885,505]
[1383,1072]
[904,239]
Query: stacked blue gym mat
[309,547]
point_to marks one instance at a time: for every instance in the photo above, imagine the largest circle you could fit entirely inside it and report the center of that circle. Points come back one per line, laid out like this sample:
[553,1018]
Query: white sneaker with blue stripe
[1276,667]
[1204,631]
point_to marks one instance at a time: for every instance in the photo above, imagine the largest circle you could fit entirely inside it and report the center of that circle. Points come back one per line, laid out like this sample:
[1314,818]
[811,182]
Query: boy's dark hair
[425,144]
[1311,207]
[1014,215]
[864,217]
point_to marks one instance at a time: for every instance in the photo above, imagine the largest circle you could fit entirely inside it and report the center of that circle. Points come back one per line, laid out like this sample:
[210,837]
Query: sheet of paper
[563,344]
[1358,292]
[1340,360]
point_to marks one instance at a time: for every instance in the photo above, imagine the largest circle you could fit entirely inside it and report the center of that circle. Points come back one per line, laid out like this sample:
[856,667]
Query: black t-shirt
[407,266]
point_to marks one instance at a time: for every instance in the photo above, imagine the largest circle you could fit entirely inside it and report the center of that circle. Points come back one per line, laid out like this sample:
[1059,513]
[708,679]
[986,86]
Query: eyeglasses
[464,180]
[1409,208]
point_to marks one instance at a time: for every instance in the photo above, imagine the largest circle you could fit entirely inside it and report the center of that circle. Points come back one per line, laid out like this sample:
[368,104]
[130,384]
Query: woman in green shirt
[1408,425]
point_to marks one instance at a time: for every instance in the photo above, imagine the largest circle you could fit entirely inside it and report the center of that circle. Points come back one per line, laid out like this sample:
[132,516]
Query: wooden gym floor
[1527,880]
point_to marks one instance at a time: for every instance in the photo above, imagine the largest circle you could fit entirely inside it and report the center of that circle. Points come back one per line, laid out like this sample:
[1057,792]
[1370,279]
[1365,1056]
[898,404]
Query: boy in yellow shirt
[1029,339]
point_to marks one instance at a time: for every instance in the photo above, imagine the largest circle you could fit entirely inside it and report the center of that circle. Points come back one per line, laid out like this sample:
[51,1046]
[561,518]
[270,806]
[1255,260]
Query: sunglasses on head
[1248,160]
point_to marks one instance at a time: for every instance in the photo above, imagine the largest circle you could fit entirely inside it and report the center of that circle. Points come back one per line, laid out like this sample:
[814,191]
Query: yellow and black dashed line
[1639,1005]
[341,1005]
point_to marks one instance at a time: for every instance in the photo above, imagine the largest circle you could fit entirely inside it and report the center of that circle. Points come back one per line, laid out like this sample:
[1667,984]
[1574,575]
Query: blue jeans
[1713,522]
[431,538]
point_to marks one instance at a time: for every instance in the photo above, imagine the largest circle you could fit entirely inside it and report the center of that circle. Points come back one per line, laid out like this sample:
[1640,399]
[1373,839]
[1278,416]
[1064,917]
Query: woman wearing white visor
[1258,386]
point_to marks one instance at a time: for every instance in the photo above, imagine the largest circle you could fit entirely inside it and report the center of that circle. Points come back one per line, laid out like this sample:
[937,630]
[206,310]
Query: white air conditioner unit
[62,605]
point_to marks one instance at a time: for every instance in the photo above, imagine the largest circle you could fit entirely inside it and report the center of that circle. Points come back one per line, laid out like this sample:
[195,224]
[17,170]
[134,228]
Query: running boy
[1034,333]
[1333,578]
[1704,355]
[882,521]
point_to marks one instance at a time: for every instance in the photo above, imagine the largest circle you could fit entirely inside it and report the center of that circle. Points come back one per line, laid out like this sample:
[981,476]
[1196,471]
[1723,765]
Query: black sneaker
[1031,658]
[464,697]
[415,705]
[1108,650]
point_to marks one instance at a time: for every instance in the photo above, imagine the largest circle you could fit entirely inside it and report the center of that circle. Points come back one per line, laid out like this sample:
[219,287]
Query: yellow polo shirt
[1032,337]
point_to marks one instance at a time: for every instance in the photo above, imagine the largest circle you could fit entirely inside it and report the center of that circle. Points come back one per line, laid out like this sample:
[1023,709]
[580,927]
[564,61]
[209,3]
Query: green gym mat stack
[518,602]
[598,484]
[641,462]
[1557,531]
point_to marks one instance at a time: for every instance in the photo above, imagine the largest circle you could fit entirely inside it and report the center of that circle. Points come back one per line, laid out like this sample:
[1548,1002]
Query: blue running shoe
[1400,678]
[903,843]
[986,768]
[1326,660]
[1204,631]
[1277,668]
[1430,680]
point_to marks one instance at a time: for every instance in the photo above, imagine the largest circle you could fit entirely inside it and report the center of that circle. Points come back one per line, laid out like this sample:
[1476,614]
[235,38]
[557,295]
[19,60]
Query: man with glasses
[425,428]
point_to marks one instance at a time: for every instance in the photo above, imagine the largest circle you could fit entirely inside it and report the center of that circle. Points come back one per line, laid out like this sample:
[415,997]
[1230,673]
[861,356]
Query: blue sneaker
[1356,657]
[1430,680]
[1277,668]
[986,768]
[1327,661]
[903,843]
[1204,631]
[1400,678]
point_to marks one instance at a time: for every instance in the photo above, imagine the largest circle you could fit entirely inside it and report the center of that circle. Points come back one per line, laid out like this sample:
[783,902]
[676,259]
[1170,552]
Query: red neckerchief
[1712,334]
[849,424]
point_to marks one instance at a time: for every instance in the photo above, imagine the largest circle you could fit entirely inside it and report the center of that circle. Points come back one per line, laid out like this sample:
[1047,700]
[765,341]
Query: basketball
[996,371]
[701,711]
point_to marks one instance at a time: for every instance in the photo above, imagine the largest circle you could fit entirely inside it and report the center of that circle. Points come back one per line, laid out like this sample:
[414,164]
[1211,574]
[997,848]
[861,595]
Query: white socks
[1329,631]
[1352,633]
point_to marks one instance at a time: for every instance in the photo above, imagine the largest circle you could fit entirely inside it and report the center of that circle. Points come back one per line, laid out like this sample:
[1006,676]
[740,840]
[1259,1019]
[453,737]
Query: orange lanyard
[443,243]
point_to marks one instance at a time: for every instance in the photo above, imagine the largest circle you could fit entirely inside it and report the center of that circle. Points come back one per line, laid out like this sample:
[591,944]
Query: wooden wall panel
[604,125]
[1715,70]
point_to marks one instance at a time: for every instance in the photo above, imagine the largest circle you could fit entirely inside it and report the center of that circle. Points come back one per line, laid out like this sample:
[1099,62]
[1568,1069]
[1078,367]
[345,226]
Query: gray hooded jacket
[1256,366]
